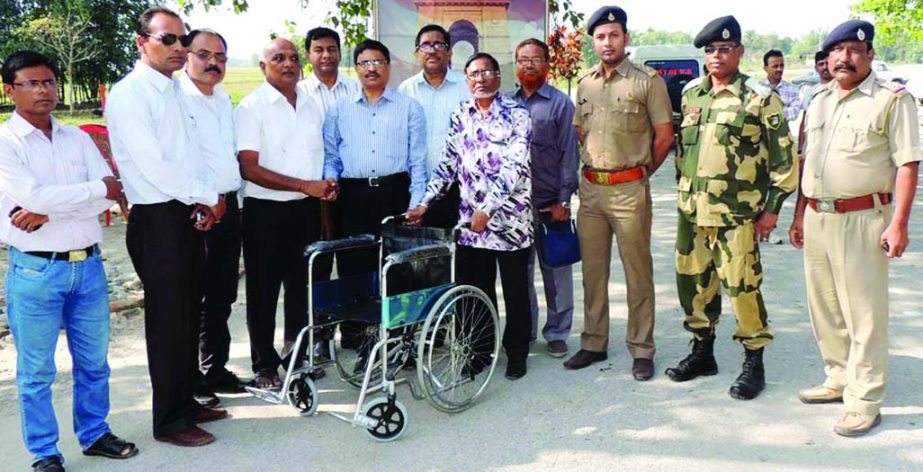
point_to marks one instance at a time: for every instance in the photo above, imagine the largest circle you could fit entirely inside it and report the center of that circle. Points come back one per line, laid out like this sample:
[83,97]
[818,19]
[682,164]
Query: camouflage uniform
[734,162]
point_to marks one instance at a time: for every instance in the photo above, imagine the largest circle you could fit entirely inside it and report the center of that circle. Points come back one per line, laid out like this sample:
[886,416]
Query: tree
[566,50]
[894,19]
[70,38]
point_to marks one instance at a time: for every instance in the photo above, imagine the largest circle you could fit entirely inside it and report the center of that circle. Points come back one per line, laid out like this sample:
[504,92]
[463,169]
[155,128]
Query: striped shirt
[325,96]
[363,140]
[438,105]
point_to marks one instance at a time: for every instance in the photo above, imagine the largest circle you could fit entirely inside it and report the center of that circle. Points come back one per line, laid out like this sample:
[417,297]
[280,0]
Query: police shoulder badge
[774,121]
[725,34]
[860,35]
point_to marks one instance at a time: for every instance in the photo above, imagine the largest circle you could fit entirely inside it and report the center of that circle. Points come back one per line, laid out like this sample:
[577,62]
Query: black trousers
[443,213]
[363,208]
[274,237]
[478,267]
[168,254]
[222,265]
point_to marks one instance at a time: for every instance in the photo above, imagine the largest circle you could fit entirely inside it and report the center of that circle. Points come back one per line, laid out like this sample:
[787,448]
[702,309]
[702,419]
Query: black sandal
[272,378]
[111,446]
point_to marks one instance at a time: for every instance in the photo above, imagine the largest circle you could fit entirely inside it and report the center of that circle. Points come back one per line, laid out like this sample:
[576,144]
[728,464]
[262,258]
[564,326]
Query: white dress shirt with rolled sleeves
[214,131]
[289,140]
[152,134]
[59,177]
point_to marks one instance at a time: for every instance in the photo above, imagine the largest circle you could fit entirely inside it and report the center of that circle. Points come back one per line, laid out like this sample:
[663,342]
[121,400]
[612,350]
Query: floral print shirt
[488,155]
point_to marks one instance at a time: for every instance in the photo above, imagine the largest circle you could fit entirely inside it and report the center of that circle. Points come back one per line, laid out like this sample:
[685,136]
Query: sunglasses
[168,39]
[720,49]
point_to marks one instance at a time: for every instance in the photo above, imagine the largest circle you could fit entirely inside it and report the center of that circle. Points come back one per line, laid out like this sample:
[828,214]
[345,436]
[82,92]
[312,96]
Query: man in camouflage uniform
[624,120]
[736,169]
[861,164]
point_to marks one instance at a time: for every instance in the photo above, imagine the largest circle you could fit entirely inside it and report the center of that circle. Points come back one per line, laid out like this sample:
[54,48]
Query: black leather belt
[78,255]
[376,181]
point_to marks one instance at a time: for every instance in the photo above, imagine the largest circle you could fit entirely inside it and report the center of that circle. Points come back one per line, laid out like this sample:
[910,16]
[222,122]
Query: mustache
[214,69]
[842,66]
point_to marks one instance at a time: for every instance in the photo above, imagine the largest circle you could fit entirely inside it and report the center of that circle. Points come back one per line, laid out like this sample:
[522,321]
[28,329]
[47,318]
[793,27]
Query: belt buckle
[77,256]
[826,205]
[601,178]
[373,182]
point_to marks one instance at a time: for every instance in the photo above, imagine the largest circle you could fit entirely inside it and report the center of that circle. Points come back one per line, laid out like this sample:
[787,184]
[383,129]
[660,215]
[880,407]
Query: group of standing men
[295,146]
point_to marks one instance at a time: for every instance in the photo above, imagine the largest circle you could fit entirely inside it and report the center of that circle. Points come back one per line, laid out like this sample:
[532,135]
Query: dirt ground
[594,419]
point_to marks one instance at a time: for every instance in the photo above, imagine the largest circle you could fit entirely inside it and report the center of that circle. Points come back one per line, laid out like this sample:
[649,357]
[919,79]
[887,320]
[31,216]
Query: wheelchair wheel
[458,348]
[391,419]
[302,394]
[352,346]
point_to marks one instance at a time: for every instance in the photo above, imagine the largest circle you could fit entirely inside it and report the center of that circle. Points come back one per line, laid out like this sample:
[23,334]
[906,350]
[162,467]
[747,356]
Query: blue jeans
[42,296]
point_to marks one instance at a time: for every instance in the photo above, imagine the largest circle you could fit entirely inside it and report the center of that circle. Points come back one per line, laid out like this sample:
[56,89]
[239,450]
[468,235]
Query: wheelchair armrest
[352,242]
[422,252]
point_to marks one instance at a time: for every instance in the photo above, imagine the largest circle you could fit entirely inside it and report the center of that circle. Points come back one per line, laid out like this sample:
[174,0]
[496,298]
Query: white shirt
[152,134]
[290,141]
[60,178]
[325,96]
[438,106]
[214,131]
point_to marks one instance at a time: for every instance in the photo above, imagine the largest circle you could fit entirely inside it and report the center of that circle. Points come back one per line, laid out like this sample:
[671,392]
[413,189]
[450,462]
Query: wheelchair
[407,322]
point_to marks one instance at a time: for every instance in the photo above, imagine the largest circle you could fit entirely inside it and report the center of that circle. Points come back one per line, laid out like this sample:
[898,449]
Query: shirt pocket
[859,137]
[733,129]
[814,134]
[689,128]
[544,133]
[629,116]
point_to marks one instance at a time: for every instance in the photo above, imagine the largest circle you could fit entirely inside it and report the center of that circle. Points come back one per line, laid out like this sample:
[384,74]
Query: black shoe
[700,362]
[226,382]
[113,447]
[206,398]
[584,358]
[48,464]
[752,380]
[642,369]
[515,369]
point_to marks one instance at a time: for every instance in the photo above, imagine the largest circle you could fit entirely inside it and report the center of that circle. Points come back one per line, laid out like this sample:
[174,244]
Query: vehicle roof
[666,51]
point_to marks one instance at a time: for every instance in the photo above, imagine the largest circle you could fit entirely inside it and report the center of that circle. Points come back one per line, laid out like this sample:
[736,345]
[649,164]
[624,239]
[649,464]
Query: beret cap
[725,28]
[852,30]
[606,15]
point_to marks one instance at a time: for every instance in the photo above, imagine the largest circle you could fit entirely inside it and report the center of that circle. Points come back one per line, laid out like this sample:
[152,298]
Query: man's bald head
[281,64]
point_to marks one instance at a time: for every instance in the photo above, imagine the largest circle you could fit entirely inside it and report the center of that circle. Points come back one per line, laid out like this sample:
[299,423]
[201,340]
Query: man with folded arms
[153,142]
[281,152]
[53,186]
[624,121]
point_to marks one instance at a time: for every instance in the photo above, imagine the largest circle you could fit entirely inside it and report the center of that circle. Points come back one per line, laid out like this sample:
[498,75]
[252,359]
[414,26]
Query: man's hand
[113,187]
[558,212]
[317,188]
[764,225]
[479,221]
[28,221]
[219,209]
[415,216]
[895,240]
[333,191]
[203,216]
[796,232]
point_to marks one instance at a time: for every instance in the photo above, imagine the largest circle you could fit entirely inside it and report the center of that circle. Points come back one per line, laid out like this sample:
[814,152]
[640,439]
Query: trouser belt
[846,205]
[613,177]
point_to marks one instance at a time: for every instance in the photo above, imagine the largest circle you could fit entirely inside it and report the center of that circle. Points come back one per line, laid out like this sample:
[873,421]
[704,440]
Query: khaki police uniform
[735,162]
[854,146]
[616,115]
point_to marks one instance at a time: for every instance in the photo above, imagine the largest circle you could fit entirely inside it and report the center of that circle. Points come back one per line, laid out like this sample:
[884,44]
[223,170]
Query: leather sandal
[111,446]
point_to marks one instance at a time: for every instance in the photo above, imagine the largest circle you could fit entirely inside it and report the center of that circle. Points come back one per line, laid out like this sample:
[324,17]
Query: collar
[734,87]
[866,86]
[500,102]
[273,95]
[544,91]
[621,69]
[23,128]
[451,76]
[148,73]
[389,95]
[314,82]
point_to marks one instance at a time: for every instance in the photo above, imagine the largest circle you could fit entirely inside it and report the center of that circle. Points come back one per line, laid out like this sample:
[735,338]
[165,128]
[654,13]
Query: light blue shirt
[438,105]
[363,140]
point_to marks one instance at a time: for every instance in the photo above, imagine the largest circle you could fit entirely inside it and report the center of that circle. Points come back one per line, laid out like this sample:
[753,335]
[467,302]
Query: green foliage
[564,10]
[896,21]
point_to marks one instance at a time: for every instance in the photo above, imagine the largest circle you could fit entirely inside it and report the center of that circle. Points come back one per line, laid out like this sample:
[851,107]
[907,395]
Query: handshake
[326,190]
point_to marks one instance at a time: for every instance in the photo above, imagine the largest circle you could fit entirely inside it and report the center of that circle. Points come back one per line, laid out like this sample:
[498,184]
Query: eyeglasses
[430,47]
[36,85]
[482,74]
[720,49]
[169,38]
[371,63]
[208,55]
[535,61]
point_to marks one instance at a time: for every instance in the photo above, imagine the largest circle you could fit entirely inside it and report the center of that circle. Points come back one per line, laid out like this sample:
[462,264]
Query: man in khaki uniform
[620,107]
[860,175]
[736,169]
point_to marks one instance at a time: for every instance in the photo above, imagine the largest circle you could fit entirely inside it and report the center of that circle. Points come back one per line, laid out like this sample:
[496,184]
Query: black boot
[700,362]
[752,380]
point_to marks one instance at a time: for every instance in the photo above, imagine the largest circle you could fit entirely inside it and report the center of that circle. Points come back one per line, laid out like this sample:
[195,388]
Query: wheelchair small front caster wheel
[391,419]
[302,394]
